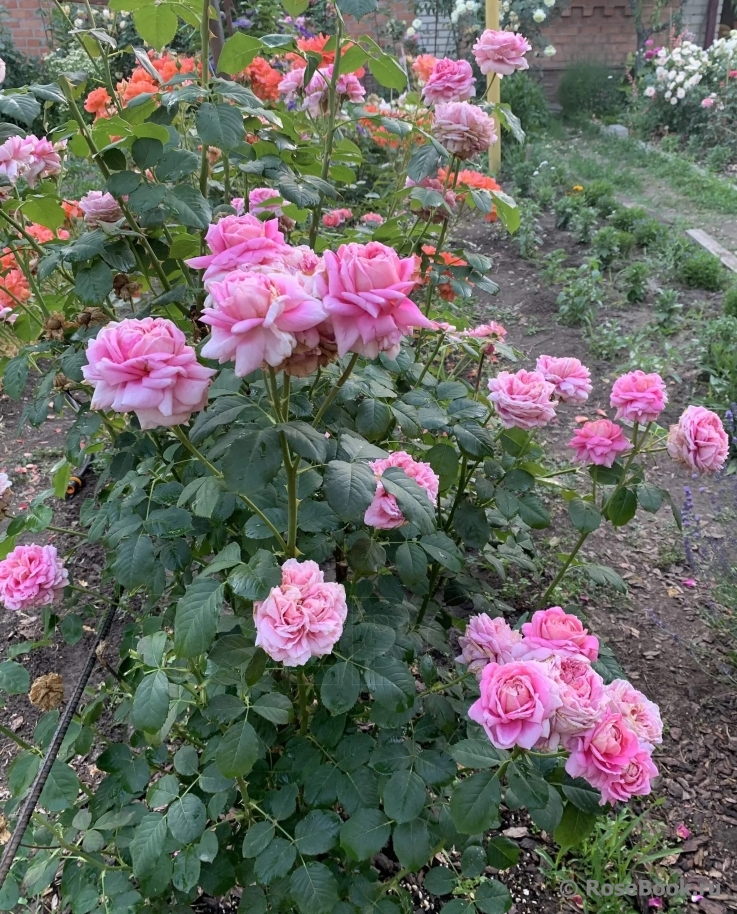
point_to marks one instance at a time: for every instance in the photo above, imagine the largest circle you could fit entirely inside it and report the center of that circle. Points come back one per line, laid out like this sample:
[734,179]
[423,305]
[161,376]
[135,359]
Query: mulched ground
[658,632]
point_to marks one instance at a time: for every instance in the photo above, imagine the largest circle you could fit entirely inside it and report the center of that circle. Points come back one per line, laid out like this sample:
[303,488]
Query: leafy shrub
[583,224]
[647,232]
[625,218]
[633,281]
[579,298]
[606,245]
[729,305]
[590,87]
[528,235]
[526,97]
[720,358]
[700,269]
[565,209]
[668,309]
[719,157]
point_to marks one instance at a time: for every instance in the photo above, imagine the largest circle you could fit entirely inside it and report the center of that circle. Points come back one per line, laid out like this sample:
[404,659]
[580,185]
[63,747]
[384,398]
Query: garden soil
[659,631]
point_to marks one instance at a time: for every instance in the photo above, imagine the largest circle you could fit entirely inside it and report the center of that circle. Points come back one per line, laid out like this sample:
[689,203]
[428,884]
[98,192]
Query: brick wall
[27,26]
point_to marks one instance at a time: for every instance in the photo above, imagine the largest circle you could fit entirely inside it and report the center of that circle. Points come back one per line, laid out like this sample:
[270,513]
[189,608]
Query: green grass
[643,171]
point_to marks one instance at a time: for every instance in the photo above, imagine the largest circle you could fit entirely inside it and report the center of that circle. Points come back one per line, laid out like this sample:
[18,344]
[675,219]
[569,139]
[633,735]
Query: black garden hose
[11,848]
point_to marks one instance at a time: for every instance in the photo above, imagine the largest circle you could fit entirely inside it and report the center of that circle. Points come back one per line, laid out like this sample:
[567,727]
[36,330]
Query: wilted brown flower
[55,326]
[125,288]
[4,832]
[91,316]
[47,692]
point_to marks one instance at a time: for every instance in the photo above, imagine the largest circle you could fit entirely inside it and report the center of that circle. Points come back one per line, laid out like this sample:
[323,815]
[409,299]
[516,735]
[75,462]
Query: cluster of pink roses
[539,691]
[528,399]
[32,576]
[301,618]
[316,94]
[384,512]
[335,217]
[30,158]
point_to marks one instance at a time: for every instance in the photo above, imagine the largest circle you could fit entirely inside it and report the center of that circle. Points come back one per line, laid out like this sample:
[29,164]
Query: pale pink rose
[522,400]
[501,52]
[6,496]
[372,219]
[299,260]
[464,129]
[603,752]
[517,703]
[683,831]
[32,576]
[383,512]
[599,442]
[561,633]
[335,217]
[633,781]
[301,574]
[146,367]
[582,693]
[2,71]
[317,93]
[292,83]
[487,640]
[7,314]
[572,380]
[257,204]
[239,205]
[16,157]
[364,289]
[302,618]
[699,441]
[485,330]
[707,102]
[254,317]
[639,397]
[641,714]
[442,325]
[46,161]
[100,208]
[450,81]
[239,242]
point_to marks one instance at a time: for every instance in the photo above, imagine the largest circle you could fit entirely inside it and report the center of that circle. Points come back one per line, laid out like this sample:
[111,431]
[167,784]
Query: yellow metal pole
[493,85]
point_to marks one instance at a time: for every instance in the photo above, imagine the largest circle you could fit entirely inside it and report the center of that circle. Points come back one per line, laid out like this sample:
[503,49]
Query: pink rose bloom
[522,400]
[464,129]
[484,330]
[317,94]
[292,83]
[239,205]
[46,161]
[254,317]
[372,219]
[699,441]
[335,217]
[383,512]
[257,201]
[301,618]
[450,81]
[315,348]
[572,380]
[582,692]
[633,781]
[561,633]
[100,208]
[146,367]
[364,288]
[517,703]
[2,71]
[501,52]
[642,715]
[639,397]
[16,157]
[487,640]
[604,751]
[707,102]
[32,576]
[239,241]
[299,260]
[599,442]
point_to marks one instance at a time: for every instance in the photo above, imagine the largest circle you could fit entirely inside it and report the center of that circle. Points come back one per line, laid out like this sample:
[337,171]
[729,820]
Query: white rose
[550,51]
[650,92]
[417,24]
[410,32]
[549,3]
[674,101]
[668,94]
[454,17]
[539,15]
[680,92]
[78,23]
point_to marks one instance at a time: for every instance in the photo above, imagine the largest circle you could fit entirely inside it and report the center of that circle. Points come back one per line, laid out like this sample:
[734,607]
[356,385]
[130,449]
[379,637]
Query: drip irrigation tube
[11,848]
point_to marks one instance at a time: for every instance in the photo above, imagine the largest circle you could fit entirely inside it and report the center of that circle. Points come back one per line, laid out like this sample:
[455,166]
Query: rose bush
[304,493]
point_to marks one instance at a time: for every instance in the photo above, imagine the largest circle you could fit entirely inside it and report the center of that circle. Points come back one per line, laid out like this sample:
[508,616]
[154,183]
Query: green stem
[66,531]
[429,362]
[303,710]
[93,595]
[72,848]
[440,686]
[18,741]
[21,231]
[428,596]
[330,135]
[290,468]
[566,565]
[478,374]
[334,392]
[177,430]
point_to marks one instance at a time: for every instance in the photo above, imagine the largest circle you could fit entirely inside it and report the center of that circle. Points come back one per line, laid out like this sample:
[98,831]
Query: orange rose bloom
[473,179]
[8,261]
[141,82]
[316,45]
[445,290]
[264,79]
[71,209]
[42,234]
[14,287]
[422,66]
[97,103]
